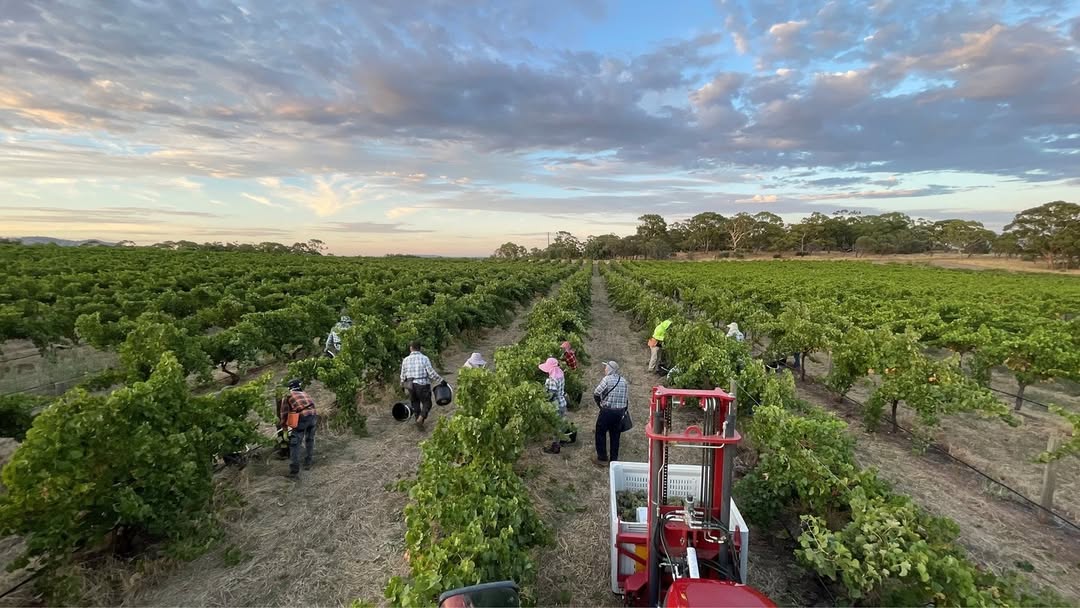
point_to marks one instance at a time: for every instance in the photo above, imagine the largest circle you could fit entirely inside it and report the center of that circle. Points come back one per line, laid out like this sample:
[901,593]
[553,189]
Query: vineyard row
[878,546]
[470,518]
[100,472]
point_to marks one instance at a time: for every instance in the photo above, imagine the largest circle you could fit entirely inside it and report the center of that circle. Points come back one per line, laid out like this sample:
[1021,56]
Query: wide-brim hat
[565,345]
[613,366]
[476,360]
[549,366]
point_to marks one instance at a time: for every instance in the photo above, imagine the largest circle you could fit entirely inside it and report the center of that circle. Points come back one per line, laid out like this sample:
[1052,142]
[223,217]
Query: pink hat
[566,345]
[549,366]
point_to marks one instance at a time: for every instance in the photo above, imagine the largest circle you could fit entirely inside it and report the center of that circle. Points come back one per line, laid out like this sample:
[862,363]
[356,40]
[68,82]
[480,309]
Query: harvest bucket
[401,411]
[443,394]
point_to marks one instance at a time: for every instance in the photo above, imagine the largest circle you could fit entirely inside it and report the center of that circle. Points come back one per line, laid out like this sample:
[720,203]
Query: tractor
[689,545]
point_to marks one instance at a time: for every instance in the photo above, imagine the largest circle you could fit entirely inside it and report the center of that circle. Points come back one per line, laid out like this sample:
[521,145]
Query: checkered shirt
[619,395]
[417,367]
[298,402]
[558,387]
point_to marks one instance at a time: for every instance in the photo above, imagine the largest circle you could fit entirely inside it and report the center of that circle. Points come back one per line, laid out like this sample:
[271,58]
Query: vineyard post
[729,457]
[734,393]
[1049,480]
[1019,403]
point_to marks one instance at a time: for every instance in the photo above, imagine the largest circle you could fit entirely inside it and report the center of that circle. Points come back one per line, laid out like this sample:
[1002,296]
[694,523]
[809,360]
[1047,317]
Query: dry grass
[572,494]
[941,260]
[999,530]
[1008,454]
[23,368]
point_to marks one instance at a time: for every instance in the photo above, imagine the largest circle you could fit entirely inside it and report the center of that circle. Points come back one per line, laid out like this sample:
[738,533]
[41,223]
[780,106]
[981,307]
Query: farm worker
[733,331]
[656,342]
[612,395]
[555,384]
[297,413]
[475,361]
[333,341]
[569,356]
[417,374]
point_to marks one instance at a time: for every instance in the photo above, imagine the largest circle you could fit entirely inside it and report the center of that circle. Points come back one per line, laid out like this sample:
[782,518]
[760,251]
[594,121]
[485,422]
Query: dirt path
[999,532]
[334,536]
[572,494]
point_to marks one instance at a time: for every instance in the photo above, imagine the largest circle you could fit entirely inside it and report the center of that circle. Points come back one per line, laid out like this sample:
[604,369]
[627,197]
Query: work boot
[420,421]
[294,475]
[307,466]
[600,463]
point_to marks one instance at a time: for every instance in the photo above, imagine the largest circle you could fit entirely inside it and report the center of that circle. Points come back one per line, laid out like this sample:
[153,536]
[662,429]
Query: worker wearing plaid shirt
[296,401]
[417,374]
[613,397]
[569,357]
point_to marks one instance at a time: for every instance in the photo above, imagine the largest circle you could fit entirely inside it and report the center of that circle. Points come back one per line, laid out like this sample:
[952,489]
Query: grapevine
[878,545]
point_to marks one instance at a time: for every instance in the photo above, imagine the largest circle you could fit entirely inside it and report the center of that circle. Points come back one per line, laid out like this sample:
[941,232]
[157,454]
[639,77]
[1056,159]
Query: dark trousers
[420,400]
[608,426]
[304,431]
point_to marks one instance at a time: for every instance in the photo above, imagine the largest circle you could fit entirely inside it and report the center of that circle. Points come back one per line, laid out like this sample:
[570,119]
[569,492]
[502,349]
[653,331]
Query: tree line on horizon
[1050,232]
[309,247]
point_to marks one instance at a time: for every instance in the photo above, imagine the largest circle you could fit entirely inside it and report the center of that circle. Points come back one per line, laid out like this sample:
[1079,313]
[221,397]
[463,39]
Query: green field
[189,349]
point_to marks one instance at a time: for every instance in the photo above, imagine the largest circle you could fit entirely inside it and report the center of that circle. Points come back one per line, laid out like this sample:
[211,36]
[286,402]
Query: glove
[596,398]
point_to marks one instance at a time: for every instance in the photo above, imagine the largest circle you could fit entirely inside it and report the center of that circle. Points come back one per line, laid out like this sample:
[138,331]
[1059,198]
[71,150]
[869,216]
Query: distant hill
[45,240]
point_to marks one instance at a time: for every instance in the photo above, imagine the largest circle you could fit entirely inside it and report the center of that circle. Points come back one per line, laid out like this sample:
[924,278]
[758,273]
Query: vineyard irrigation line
[30,356]
[1014,396]
[25,580]
[821,580]
[24,391]
[939,449]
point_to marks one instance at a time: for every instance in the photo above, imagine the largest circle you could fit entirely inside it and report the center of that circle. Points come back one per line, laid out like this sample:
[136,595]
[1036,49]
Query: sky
[451,126]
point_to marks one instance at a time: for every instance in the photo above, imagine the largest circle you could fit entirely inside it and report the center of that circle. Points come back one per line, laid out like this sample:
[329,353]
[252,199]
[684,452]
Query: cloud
[786,37]
[377,101]
[759,198]
[831,182]
[245,232]
[265,111]
[397,212]
[185,183]
[368,228]
[104,215]
[934,190]
[324,194]
[262,200]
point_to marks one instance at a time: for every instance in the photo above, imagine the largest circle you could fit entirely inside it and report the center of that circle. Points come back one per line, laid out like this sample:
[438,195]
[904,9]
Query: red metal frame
[676,534]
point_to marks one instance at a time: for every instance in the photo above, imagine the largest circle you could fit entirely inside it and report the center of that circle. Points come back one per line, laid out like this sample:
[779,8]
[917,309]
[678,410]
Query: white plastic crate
[683,479]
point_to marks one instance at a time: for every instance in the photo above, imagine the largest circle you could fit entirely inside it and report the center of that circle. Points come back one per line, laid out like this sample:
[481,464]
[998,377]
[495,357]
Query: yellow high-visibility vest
[661,330]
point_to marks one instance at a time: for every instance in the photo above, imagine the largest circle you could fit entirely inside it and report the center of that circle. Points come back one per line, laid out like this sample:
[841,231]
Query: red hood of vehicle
[708,593]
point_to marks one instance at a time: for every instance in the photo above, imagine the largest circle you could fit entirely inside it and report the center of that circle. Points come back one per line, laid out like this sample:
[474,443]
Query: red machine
[692,553]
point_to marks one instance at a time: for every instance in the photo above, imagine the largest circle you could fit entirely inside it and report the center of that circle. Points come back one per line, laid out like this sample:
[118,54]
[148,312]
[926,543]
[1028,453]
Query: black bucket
[401,411]
[443,394]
